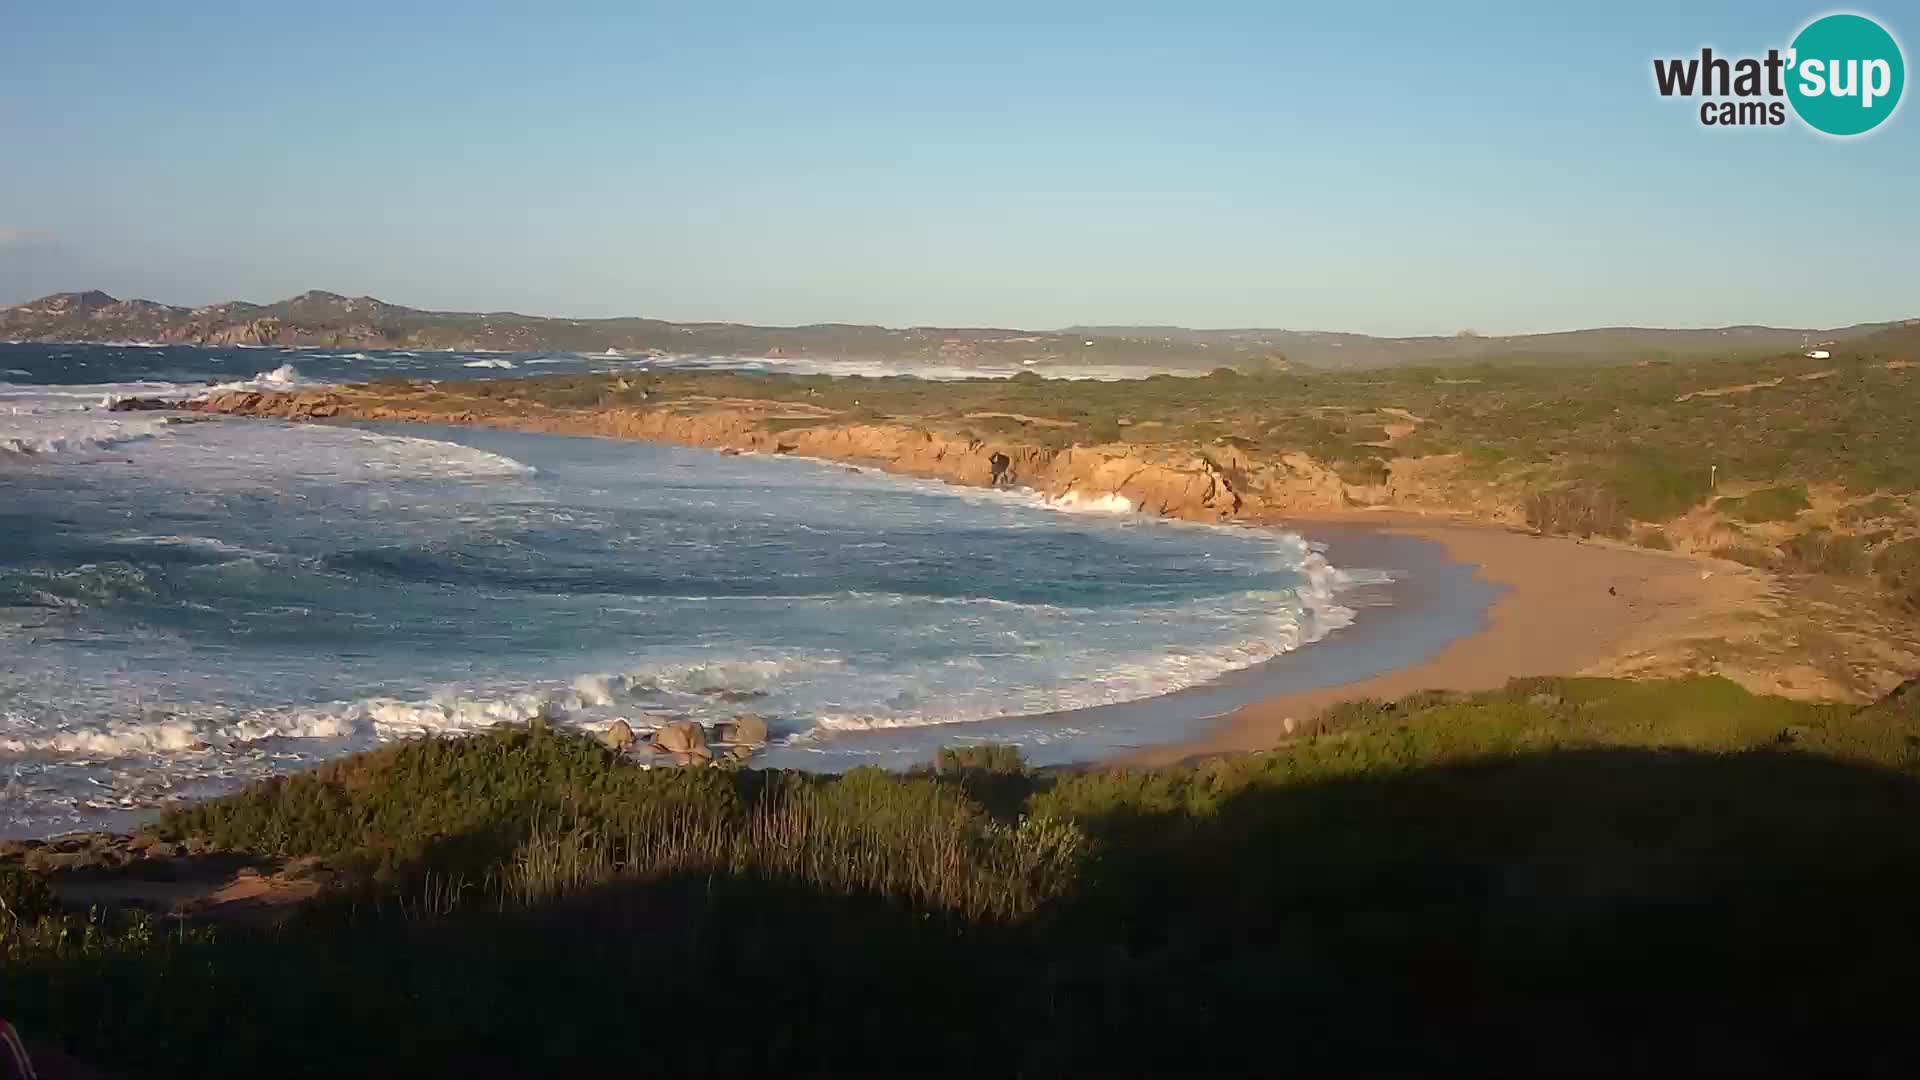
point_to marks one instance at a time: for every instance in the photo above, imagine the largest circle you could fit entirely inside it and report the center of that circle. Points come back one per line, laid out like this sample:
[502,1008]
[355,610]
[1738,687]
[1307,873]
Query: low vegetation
[1783,503]
[1780,443]
[1519,879]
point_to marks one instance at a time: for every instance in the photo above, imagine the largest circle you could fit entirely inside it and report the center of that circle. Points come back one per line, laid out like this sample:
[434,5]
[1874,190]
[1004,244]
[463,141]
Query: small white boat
[612,352]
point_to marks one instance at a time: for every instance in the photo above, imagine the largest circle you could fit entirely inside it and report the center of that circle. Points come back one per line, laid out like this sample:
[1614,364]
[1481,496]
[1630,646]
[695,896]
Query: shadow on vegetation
[1536,908]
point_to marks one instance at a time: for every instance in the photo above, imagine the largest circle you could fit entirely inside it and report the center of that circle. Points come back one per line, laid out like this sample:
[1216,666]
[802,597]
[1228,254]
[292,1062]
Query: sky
[1388,168]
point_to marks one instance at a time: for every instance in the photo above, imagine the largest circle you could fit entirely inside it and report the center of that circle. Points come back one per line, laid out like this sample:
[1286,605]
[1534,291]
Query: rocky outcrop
[140,404]
[682,736]
[249,332]
[290,405]
[1216,483]
[747,729]
[619,737]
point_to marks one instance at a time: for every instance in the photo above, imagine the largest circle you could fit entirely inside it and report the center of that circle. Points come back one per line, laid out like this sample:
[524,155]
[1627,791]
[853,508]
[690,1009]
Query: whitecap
[1073,502]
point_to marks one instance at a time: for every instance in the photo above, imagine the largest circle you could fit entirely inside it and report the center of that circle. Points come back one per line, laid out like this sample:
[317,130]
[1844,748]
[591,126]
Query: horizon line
[1462,334]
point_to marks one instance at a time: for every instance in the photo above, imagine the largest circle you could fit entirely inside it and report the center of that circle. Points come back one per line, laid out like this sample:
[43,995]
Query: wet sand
[1565,607]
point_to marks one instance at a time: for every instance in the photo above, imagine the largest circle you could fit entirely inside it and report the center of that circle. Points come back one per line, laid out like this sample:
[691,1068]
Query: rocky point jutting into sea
[1163,481]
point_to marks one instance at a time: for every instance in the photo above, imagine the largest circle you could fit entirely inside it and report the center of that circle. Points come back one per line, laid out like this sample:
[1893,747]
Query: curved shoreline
[1432,602]
[1568,607]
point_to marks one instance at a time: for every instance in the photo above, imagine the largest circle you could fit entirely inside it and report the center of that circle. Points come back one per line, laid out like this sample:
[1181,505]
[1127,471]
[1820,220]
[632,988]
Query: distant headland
[332,320]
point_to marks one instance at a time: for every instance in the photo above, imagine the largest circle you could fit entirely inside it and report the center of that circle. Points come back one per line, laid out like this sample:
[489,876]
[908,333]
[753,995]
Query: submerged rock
[140,404]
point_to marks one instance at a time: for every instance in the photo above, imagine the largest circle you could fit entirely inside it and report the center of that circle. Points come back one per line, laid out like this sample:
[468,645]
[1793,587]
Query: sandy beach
[1568,607]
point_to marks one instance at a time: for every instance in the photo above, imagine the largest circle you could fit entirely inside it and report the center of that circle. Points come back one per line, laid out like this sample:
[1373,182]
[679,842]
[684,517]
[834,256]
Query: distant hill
[329,319]
[1618,344]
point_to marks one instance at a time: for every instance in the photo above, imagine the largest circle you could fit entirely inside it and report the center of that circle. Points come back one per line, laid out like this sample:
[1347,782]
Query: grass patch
[1783,503]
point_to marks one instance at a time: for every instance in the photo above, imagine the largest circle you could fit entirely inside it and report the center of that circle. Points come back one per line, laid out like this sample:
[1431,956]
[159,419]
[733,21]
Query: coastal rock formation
[682,737]
[1218,484]
[746,729]
[140,404]
[620,736]
[248,332]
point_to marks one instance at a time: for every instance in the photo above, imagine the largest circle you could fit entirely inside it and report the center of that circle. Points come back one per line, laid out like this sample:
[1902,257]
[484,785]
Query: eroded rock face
[1214,483]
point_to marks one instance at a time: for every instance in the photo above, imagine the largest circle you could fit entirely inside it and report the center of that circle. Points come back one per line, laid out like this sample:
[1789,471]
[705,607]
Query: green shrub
[998,758]
[1654,486]
[1556,838]
[24,897]
[463,802]
[1782,503]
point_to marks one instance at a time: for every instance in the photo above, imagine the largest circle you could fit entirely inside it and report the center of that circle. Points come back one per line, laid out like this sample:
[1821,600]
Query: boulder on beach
[746,729]
[682,737]
[620,736]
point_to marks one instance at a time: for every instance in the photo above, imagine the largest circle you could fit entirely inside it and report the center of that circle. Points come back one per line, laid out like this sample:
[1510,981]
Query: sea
[189,606]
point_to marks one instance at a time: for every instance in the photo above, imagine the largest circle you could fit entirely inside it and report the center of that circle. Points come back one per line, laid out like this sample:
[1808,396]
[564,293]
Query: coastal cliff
[1213,484]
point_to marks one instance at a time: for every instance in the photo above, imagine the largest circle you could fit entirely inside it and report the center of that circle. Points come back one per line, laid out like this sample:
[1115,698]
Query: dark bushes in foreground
[1565,877]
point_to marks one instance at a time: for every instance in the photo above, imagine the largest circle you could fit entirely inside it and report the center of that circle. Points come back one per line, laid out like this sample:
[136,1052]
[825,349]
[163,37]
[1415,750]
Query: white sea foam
[78,418]
[505,365]
[405,455]
[73,419]
[213,729]
[209,544]
[452,713]
[1074,502]
[281,378]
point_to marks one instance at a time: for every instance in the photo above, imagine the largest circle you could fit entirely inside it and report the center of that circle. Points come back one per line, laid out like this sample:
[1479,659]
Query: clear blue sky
[1380,167]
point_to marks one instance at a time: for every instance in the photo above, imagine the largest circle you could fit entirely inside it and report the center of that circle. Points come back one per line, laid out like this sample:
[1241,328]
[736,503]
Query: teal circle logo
[1845,74]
